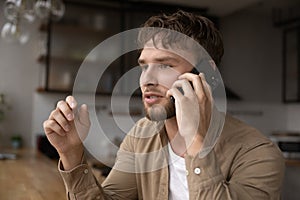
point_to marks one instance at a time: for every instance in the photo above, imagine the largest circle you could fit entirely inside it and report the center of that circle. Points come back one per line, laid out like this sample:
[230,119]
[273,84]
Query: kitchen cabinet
[291,64]
[85,25]
[70,41]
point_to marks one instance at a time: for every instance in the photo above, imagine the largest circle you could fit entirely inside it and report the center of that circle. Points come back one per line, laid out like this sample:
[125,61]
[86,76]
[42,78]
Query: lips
[152,97]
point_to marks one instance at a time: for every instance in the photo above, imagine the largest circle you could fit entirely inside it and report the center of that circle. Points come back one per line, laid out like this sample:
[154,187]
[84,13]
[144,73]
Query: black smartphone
[211,76]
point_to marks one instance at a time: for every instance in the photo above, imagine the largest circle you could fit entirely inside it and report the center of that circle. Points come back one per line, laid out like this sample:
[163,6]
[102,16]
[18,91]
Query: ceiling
[223,8]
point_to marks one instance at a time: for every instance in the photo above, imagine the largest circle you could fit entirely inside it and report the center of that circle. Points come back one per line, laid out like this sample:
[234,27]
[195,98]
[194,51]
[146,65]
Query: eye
[164,66]
[144,67]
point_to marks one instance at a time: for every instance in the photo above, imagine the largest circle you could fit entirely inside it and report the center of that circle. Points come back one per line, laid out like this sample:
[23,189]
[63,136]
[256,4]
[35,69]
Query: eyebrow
[159,60]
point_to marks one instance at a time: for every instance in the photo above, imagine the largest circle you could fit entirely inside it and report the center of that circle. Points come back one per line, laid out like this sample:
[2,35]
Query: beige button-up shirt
[243,165]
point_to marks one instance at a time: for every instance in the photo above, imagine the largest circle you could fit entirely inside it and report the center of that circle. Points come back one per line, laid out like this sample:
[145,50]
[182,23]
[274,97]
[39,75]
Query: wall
[252,63]
[19,77]
[252,67]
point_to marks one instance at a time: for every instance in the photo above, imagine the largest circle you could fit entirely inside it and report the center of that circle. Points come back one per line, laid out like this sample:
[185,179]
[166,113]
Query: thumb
[82,122]
[83,115]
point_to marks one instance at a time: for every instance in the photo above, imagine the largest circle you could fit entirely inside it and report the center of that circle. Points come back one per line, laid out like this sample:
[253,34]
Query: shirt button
[86,171]
[186,172]
[197,170]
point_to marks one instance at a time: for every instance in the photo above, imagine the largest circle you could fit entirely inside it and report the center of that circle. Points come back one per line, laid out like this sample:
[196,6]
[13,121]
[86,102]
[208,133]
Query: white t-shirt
[178,187]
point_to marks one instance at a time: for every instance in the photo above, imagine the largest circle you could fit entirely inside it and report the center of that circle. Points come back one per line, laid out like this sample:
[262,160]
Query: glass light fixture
[21,12]
[19,8]
[11,9]
[42,8]
[15,32]
[23,31]
[57,9]
[49,8]
[9,32]
[27,10]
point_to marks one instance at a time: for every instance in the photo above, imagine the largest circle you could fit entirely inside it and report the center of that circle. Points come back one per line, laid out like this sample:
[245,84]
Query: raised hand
[65,129]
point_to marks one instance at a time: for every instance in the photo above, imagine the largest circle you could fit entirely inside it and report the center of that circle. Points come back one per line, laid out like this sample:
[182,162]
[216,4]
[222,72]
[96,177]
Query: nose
[149,76]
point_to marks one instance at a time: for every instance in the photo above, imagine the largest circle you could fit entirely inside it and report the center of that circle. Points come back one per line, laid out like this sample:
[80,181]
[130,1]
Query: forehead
[158,51]
[151,54]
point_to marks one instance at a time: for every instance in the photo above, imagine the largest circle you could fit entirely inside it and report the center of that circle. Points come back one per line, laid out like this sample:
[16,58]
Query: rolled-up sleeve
[80,182]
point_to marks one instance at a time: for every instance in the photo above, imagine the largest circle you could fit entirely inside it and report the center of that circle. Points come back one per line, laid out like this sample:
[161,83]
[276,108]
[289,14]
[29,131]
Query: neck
[176,140]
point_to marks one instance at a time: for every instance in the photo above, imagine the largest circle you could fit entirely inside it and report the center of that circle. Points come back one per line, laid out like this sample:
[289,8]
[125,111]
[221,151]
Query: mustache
[154,90]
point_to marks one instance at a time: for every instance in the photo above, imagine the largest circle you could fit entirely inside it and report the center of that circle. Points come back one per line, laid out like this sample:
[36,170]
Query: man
[163,156]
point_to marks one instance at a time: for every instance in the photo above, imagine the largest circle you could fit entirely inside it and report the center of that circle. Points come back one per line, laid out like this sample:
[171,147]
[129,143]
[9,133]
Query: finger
[82,122]
[71,102]
[175,93]
[190,77]
[206,86]
[199,88]
[66,110]
[51,126]
[185,85]
[60,119]
[84,115]
[198,84]
[194,79]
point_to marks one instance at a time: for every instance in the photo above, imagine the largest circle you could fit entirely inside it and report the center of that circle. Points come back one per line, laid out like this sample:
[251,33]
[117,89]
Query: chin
[159,112]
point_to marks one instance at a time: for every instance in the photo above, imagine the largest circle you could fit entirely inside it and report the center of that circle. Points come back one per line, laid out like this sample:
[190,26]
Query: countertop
[31,175]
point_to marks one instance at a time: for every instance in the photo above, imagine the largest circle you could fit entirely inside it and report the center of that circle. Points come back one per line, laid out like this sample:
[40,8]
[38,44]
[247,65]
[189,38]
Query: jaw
[159,112]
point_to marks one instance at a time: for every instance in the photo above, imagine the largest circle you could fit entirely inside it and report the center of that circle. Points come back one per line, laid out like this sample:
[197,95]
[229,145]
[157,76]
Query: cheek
[167,79]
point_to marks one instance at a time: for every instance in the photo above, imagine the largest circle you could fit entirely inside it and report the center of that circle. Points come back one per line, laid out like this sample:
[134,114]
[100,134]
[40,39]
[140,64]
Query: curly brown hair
[200,28]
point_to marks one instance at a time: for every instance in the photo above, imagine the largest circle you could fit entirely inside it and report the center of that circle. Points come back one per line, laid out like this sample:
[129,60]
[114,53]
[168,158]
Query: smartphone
[211,76]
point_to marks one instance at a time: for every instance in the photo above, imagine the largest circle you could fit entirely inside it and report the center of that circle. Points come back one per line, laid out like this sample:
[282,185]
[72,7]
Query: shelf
[79,30]
[58,59]
[292,162]
[57,91]
[44,90]
[42,59]
[43,28]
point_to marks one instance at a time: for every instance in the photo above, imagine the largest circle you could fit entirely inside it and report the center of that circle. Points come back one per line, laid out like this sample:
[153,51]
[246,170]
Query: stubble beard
[160,112]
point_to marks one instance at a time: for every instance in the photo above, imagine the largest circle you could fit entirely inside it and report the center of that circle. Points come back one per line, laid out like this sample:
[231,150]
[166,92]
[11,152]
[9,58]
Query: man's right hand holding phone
[65,128]
[193,109]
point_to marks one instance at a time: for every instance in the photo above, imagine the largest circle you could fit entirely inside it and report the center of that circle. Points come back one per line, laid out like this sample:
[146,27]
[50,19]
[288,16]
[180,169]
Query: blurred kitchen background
[41,51]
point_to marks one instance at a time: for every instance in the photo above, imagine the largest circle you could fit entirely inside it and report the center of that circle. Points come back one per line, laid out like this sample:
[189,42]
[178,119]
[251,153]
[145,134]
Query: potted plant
[16,141]
[3,107]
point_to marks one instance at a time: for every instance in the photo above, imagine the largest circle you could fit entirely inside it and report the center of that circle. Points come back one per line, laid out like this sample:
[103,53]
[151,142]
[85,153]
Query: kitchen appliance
[288,142]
